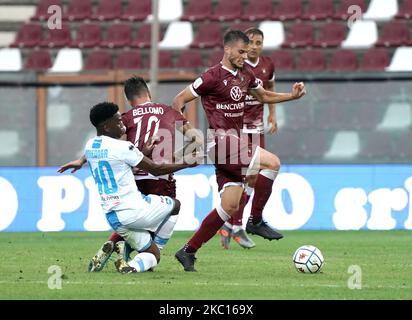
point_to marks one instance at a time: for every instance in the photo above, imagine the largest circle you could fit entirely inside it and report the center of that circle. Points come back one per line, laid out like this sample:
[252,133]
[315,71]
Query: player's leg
[115,237]
[137,233]
[230,198]
[225,233]
[238,233]
[148,253]
[146,186]
[267,165]
[165,230]
[160,218]
[234,228]
[226,230]
[248,144]
[162,187]
[101,257]
[99,260]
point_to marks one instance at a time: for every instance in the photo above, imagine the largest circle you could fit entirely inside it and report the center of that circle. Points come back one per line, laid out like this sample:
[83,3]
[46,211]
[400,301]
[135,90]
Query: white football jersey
[110,161]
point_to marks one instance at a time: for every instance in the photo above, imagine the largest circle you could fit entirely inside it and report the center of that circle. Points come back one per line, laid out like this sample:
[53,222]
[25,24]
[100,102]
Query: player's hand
[298,90]
[75,165]
[149,145]
[273,123]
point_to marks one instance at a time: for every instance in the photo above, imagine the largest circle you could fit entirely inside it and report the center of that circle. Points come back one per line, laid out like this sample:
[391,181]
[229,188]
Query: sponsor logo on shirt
[236,93]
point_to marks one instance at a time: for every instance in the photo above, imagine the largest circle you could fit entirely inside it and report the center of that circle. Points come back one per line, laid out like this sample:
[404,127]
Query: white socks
[222,213]
[165,231]
[143,261]
[228,224]
[270,174]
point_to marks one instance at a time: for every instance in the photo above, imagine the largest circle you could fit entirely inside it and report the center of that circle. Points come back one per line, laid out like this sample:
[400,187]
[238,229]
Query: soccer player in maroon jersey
[143,122]
[223,89]
[253,124]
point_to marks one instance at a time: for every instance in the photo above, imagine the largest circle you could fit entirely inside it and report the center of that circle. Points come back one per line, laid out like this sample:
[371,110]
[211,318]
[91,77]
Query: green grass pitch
[265,272]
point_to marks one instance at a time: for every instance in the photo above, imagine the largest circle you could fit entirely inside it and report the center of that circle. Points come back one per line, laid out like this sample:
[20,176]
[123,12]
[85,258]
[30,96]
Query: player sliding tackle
[131,214]
[223,89]
[152,128]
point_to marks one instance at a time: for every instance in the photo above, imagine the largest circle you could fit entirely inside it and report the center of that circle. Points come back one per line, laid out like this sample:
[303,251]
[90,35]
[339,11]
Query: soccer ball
[308,259]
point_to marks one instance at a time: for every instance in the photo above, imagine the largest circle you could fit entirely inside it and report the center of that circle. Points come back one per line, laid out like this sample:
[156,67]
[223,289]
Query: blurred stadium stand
[307,39]
[296,24]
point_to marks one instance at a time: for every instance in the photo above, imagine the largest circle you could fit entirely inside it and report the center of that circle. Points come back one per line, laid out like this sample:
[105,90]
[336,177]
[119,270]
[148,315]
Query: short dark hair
[102,111]
[135,86]
[234,36]
[254,31]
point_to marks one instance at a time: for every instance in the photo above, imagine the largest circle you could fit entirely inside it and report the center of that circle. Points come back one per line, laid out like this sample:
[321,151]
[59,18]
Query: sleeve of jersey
[272,67]
[131,155]
[202,85]
[254,84]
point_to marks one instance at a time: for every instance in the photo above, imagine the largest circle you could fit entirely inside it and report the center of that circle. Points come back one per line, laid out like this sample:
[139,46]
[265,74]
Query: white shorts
[137,233]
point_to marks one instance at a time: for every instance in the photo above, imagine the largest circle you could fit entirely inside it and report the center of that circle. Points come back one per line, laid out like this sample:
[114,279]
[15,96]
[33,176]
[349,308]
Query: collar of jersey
[251,63]
[231,71]
[144,103]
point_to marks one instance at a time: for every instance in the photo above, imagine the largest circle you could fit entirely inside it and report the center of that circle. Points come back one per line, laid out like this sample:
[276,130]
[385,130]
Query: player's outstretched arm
[75,165]
[182,98]
[160,169]
[264,96]
[272,121]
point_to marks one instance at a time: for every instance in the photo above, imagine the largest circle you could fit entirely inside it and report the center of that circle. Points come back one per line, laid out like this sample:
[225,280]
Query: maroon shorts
[231,157]
[161,187]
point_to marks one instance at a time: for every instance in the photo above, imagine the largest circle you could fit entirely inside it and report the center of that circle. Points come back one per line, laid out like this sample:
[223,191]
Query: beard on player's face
[236,60]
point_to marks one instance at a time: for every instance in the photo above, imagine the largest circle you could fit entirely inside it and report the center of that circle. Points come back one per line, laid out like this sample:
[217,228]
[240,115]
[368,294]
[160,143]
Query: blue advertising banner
[332,197]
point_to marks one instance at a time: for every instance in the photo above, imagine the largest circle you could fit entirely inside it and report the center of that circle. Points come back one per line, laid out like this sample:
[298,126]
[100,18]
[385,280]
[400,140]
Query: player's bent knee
[269,161]
[230,208]
[274,163]
[251,180]
[153,249]
[176,207]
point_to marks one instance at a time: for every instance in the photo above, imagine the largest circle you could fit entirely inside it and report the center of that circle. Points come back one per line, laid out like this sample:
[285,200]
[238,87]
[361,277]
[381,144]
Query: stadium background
[346,147]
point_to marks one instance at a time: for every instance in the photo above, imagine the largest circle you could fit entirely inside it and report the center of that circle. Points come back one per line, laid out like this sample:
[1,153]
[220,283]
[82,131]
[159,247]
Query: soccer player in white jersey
[131,214]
